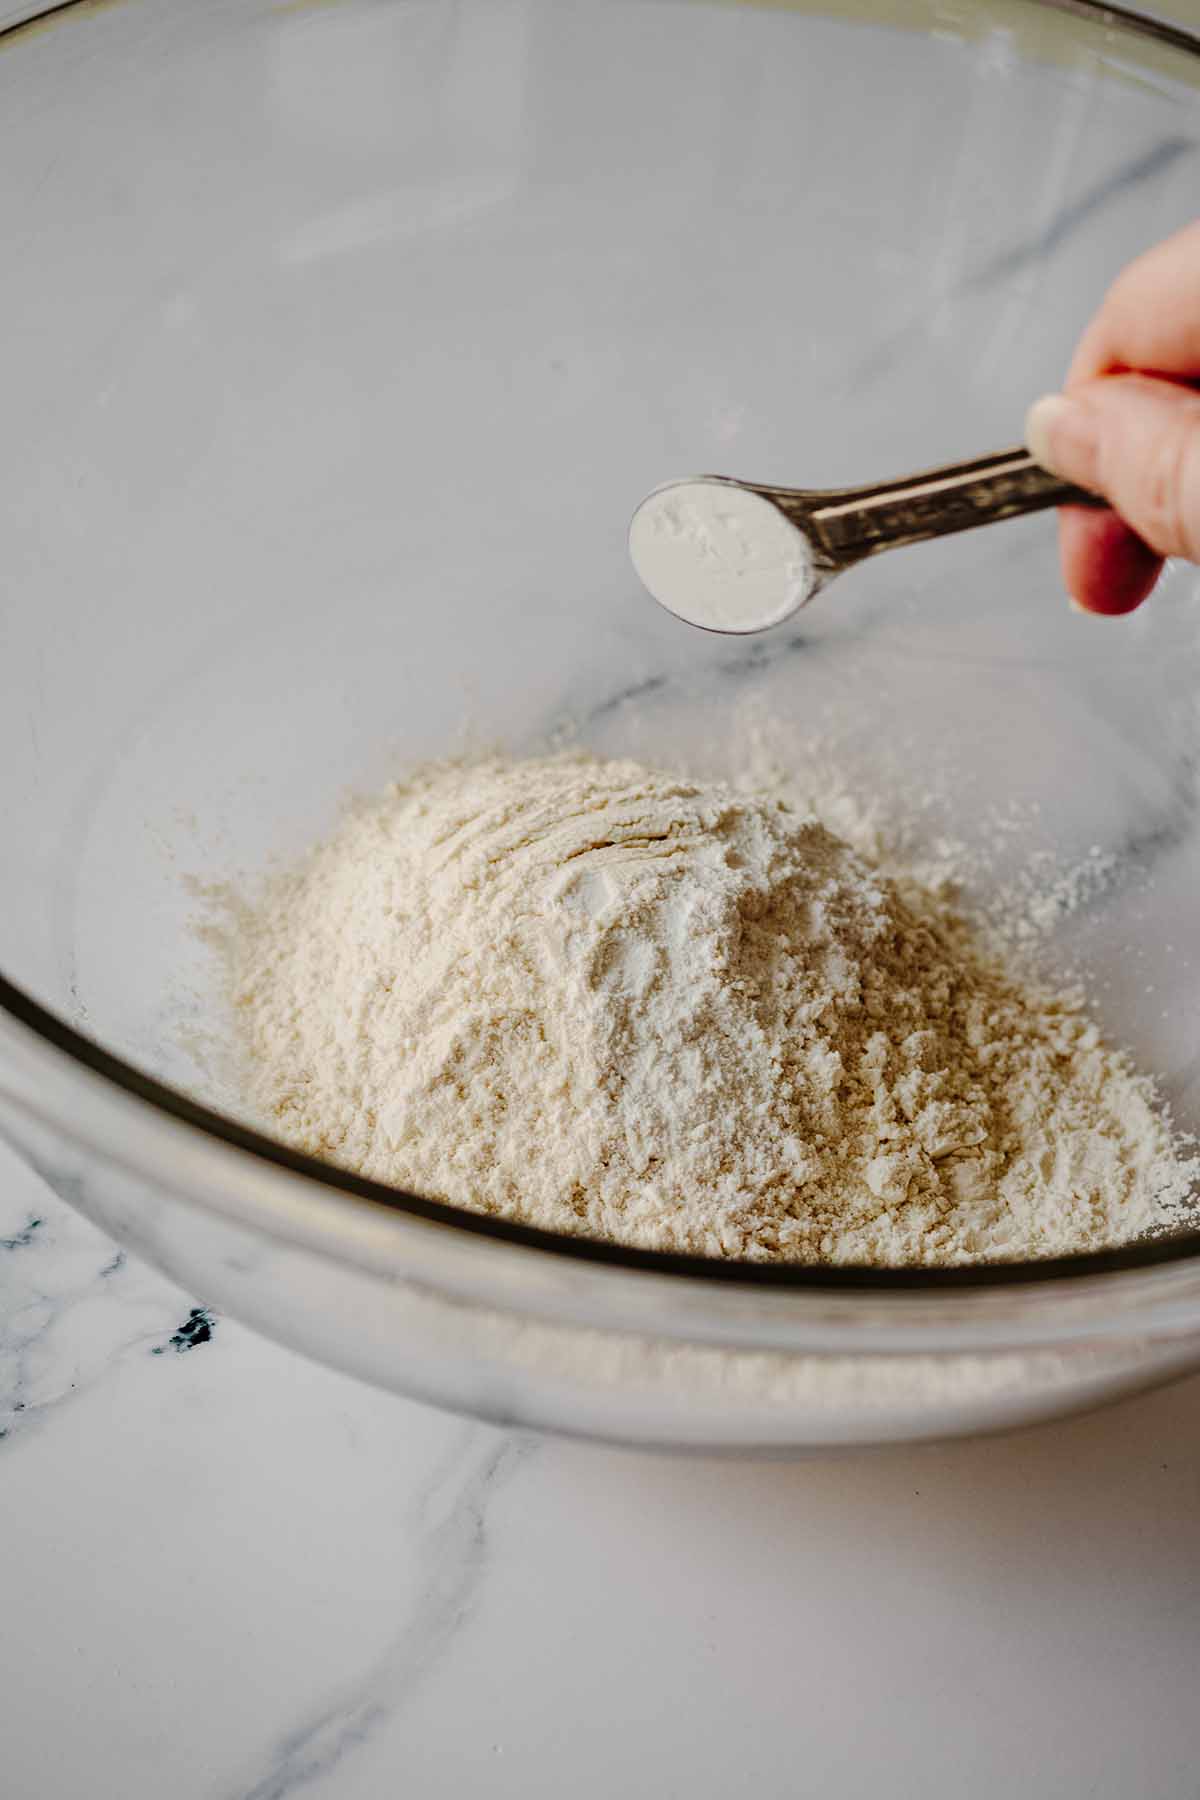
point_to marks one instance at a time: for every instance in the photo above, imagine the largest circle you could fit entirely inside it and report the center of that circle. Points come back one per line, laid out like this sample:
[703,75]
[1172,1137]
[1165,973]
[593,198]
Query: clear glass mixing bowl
[338,343]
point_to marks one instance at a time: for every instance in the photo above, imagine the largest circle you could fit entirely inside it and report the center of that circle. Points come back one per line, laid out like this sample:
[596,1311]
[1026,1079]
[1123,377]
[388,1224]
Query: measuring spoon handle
[852,523]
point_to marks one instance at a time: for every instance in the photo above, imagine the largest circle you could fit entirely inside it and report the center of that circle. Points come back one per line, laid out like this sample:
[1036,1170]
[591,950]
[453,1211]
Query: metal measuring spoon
[735,556]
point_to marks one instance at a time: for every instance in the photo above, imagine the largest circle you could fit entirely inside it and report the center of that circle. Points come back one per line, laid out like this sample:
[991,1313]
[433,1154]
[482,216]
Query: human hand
[1127,426]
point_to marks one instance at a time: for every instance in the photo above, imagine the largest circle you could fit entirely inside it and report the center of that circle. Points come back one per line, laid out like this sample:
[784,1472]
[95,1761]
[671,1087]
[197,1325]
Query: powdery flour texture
[599,998]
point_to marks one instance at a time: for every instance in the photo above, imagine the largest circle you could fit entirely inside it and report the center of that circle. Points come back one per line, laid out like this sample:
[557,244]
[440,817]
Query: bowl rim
[207,1123]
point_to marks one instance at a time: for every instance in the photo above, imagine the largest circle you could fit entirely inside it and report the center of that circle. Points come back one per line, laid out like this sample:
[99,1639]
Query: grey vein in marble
[23,1238]
[1065,223]
[745,657]
[638,690]
[71,1307]
[449,1519]
[1044,244]
[196,1329]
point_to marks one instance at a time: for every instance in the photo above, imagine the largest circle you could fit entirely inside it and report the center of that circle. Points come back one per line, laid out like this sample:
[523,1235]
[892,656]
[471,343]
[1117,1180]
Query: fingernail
[1076,605]
[1061,435]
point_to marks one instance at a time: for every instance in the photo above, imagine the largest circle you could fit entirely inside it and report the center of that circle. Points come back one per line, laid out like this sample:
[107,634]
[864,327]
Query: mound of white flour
[598,998]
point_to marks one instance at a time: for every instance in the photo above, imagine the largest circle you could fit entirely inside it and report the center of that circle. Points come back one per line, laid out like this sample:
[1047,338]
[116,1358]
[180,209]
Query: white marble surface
[230,1575]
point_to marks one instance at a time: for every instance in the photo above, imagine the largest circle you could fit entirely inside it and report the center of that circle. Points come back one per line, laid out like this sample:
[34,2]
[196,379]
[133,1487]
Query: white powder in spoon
[718,555]
[603,999]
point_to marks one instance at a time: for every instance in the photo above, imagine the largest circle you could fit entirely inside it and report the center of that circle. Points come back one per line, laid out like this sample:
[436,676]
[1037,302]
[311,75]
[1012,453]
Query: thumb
[1135,441]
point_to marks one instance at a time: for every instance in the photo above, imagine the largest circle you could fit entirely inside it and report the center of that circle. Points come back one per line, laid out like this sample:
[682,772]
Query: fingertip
[1041,423]
[1107,569]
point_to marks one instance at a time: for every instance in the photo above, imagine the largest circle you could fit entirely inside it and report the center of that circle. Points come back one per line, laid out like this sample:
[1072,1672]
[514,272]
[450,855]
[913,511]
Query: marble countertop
[228,1574]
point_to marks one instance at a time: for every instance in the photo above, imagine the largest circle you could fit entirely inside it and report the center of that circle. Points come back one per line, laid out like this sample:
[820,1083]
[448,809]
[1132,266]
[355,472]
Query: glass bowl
[339,342]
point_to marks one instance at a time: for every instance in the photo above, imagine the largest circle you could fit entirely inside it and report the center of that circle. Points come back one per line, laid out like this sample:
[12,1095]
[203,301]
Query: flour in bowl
[604,999]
